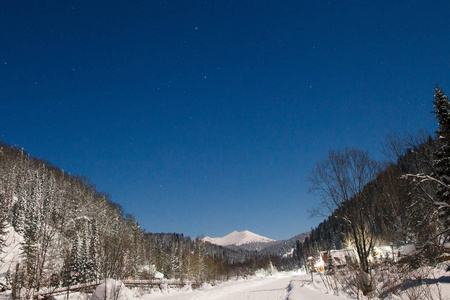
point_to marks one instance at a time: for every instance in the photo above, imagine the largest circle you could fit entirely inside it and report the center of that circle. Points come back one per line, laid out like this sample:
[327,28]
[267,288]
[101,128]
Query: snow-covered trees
[74,234]
[3,224]
[442,158]
[64,221]
[82,260]
[174,260]
[434,188]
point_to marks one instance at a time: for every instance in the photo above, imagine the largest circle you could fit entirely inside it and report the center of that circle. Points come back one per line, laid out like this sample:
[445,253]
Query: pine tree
[21,205]
[298,253]
[3,218]
[91,272]
[442,156]
[271,269]
[74,262]
[3,205]
[174,260]
[200,252]
[30,245]
[83,259]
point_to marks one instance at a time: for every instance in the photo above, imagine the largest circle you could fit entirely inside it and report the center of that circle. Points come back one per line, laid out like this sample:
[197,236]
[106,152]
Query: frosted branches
[420,180]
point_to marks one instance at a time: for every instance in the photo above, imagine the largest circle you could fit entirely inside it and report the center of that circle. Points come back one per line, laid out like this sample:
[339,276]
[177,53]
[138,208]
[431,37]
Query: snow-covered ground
[292,286]
[297,286]
[283,286]
[9,255]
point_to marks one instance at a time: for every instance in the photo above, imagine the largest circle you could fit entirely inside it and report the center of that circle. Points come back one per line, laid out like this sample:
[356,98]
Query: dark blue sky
[204,117]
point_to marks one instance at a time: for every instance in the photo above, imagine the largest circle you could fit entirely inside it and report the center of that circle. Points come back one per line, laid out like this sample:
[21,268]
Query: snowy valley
[60,235]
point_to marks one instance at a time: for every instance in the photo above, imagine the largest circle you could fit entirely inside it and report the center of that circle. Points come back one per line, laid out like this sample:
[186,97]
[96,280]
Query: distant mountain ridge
[246,240]
[237,238]
[284,247]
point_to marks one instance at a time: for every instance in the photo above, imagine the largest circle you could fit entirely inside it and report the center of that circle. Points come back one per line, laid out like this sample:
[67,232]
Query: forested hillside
[405,200]
[391,209]
[73,233]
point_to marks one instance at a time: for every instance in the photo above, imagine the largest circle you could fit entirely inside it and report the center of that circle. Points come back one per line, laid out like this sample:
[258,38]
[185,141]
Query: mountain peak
[237,238]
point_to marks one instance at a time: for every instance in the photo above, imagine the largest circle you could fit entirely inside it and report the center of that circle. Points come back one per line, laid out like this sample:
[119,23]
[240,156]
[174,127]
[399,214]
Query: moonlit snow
[286,286]
[292,286]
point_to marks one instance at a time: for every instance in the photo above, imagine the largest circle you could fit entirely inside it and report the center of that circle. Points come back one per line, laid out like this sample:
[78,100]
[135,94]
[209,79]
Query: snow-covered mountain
[249,241]
[237,238]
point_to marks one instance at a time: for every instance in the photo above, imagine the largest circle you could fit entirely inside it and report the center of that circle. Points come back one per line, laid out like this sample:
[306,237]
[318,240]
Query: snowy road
[282,287]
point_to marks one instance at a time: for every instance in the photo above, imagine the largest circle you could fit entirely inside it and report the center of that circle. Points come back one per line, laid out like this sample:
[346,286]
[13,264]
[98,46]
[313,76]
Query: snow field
[283,286]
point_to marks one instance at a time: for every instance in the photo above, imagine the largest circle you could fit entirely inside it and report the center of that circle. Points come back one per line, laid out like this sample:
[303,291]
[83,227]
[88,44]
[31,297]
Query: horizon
[206,118]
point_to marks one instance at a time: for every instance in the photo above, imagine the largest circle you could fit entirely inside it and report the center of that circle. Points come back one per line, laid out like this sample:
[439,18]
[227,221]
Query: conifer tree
[3,224]
[20,206]
[74,262]
[83,259]
[298,253]
[442,156]
[200,252]
[92,264]
[31,232]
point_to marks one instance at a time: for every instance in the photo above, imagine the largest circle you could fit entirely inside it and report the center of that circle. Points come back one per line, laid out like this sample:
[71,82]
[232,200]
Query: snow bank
[9,256]
[271,270]
[112,290]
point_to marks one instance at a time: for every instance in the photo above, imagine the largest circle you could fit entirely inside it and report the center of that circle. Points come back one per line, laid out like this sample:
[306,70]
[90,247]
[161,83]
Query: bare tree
[342,180]
[396,145]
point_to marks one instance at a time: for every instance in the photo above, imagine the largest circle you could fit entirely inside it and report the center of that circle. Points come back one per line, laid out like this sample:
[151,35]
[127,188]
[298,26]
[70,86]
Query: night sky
[204,117]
